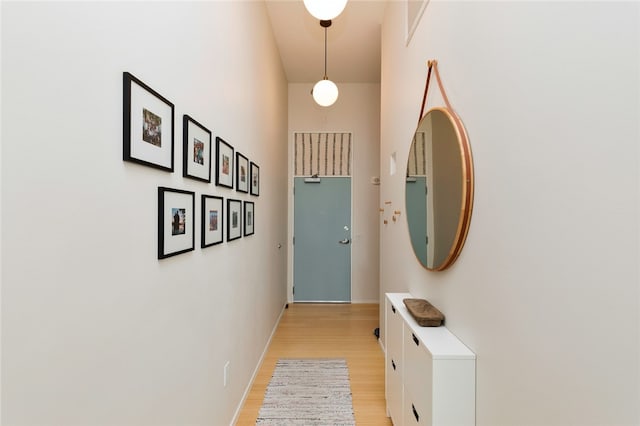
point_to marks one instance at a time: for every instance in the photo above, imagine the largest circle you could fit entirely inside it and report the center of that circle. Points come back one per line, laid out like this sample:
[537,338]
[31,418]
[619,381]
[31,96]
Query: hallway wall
[546,290]
[95,329]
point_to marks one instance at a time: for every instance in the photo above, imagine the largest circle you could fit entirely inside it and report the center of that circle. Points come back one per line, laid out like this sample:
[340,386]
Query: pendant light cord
[325,53]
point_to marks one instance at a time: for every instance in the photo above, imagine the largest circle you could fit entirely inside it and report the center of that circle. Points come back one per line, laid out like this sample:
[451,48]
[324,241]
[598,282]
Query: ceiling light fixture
[325,91]
[325,10]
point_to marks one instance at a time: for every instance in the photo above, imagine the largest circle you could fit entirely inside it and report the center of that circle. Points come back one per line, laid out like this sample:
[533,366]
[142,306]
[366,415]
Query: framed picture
[212,220]
[249,216]
[147,125]
[242,173]
[176,221]
[196,152]
[224,163]
[234,219]
[255,179]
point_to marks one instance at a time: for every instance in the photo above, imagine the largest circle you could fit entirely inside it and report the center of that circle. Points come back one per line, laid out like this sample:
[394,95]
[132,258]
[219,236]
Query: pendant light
[325,10]
[325,91]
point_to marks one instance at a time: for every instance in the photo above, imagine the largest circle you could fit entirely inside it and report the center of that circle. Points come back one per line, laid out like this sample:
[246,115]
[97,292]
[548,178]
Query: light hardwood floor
[328,331]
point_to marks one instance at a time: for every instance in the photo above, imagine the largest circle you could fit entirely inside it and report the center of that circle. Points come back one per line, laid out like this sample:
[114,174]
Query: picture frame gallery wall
[148,140]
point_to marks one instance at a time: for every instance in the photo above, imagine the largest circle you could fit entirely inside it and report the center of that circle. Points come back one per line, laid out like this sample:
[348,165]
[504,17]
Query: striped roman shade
[417,164]
[322,154]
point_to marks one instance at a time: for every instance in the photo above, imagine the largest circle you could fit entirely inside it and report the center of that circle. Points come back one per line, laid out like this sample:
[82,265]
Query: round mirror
[439,189]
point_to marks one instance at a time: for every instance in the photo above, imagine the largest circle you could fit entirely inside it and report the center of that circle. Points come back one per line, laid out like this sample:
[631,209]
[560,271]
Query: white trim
[366,301]
[255,371]
[411,26]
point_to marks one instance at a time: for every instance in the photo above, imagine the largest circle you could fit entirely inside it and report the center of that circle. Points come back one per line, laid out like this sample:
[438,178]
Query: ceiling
[353,41]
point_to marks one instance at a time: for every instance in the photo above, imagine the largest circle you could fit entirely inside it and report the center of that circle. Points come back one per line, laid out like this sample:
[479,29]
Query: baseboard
[367,301]
[255,371]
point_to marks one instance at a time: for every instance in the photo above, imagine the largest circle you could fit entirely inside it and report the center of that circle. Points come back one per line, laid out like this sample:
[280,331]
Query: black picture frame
[196,150]
[242,173]
[176,221]
[147,125]
[255,179]
[249,218]
[224,163]
[234,219]
[212,220]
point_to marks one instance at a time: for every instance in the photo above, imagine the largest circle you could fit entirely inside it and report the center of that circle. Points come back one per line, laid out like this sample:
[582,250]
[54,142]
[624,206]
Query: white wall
[546,290]
[96,330]
[357,110]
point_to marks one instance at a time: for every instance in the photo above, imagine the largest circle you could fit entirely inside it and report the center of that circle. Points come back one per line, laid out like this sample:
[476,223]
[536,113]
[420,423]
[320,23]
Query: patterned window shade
[322,154]
[417,164]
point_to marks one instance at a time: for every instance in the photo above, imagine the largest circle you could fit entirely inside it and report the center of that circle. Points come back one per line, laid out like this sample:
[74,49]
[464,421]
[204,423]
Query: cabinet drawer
[394,390]
[415,412]
[394,362]
[418,377]
[393,335]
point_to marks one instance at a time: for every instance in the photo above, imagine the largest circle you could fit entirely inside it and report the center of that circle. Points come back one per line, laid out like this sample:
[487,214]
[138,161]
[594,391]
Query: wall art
[249,218]
[242,173]
[212,220]
[147,125]
[176,222]
[234,219]
[224,163]
[196,152]
[255,179]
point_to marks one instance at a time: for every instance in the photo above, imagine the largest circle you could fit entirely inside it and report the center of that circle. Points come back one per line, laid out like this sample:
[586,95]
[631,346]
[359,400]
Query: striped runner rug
[310,392]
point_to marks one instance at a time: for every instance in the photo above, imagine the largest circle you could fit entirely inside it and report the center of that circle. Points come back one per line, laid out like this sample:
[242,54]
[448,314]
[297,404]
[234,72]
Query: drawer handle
[415,339]
[393,364]
[393,308]
[415,413]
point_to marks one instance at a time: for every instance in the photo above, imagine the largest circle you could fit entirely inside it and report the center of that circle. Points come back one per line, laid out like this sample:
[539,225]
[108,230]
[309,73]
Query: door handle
[345,241]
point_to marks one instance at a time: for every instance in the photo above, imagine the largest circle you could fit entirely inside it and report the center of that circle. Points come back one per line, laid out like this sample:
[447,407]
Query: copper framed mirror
[439,189]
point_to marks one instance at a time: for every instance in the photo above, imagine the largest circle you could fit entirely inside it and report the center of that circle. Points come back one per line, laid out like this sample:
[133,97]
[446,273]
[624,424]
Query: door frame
[290,207]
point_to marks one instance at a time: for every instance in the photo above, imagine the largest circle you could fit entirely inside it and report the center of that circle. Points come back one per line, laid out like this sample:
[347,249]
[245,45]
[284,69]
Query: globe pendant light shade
[325,92]
[325,9]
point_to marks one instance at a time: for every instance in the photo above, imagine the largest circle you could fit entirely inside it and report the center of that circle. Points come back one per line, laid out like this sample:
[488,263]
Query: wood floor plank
[328,331]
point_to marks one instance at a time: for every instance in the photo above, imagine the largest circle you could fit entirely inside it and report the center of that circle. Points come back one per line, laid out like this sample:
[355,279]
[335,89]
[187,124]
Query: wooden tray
[425,314]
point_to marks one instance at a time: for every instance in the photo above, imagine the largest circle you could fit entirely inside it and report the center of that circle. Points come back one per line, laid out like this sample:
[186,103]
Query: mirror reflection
[438,189]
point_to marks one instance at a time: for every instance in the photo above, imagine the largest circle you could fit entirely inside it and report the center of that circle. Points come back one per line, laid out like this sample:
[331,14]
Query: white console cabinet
[430,375]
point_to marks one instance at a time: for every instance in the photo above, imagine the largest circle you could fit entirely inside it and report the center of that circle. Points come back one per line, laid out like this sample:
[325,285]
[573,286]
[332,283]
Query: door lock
[345,241]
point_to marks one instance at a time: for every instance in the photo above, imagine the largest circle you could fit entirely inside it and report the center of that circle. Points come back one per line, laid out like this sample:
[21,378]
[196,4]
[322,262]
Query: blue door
[416,193]
[322,239]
